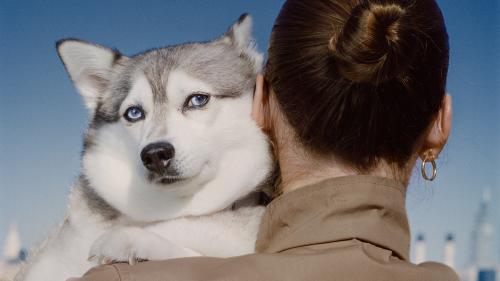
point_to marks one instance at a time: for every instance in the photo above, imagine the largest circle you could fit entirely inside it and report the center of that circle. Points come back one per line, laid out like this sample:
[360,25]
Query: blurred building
[482,234]
[449,251]
[13,254]
[420,249]
[481,265]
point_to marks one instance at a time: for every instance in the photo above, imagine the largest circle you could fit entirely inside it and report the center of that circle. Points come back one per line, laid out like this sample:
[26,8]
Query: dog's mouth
[165,178]
[169,180]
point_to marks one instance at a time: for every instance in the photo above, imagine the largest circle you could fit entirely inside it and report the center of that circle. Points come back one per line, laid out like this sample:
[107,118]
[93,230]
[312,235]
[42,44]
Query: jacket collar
[367,208]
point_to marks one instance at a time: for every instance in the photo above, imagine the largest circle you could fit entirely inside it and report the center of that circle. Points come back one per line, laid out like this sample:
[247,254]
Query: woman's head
[360,80]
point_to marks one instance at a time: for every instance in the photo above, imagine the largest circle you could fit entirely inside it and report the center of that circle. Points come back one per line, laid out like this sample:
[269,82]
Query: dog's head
[171,132]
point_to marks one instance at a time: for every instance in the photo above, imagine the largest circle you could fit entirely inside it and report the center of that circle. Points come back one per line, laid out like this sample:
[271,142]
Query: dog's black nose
[156,156]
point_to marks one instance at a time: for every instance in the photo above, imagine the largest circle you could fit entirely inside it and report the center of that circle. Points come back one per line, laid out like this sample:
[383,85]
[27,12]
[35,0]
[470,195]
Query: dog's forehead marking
[155,74]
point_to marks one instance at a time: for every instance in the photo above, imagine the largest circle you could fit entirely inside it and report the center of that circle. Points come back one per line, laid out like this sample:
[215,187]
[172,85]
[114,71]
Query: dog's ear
[240,37]
[89,67]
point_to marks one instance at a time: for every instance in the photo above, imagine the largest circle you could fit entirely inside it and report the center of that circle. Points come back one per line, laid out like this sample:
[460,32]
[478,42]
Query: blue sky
[42,117]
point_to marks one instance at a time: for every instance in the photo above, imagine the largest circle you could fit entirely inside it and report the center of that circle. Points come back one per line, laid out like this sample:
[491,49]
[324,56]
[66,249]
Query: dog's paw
[132,244]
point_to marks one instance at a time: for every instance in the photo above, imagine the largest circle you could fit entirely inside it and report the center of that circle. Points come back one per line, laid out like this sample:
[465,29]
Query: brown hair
[360,79]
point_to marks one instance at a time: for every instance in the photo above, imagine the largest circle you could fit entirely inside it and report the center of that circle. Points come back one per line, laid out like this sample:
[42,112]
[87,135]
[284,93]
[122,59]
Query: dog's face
[171,127]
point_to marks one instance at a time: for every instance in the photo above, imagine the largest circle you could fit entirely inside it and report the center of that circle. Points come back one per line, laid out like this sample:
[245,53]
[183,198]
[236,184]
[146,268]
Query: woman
[354,94]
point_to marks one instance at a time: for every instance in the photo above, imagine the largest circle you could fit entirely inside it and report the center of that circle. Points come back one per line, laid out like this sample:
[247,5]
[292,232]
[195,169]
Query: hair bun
[376,43]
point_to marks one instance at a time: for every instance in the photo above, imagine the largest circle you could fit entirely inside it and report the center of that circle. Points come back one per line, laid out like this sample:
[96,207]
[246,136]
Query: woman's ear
[260,106]
[439,132]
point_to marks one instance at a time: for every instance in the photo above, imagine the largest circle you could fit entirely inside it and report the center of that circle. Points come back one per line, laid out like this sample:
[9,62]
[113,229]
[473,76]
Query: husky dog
[170,147]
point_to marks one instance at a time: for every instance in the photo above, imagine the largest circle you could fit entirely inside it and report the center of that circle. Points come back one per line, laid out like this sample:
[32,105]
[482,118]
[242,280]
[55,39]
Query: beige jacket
[350,228]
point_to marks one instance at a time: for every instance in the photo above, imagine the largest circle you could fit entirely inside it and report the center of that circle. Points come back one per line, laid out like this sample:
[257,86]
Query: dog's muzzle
[156,157]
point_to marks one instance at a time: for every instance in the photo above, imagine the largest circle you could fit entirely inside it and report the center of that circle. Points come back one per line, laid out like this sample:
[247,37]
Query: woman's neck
[300,168]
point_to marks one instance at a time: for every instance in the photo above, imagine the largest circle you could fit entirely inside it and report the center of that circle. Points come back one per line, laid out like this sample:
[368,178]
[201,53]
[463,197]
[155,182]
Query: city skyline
[44,118]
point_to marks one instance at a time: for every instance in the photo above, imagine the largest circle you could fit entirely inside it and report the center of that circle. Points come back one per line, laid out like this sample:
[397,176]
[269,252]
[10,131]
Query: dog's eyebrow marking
[227,96]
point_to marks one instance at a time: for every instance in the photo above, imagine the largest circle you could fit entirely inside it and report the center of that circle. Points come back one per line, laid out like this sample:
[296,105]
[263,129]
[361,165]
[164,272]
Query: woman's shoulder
[348,260]
[446,272]
[354,259]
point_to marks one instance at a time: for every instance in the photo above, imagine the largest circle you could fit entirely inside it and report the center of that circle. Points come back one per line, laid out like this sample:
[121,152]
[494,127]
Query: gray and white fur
[170,146]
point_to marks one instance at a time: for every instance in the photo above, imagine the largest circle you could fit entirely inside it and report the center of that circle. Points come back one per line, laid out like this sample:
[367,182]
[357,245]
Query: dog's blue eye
[197,101]
[134,114]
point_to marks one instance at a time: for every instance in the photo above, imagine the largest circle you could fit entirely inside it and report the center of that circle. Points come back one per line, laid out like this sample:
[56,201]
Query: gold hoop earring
[424,170]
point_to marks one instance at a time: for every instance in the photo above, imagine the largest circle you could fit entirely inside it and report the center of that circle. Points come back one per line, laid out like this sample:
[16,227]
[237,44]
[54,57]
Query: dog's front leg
[132,244]
[222,234]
